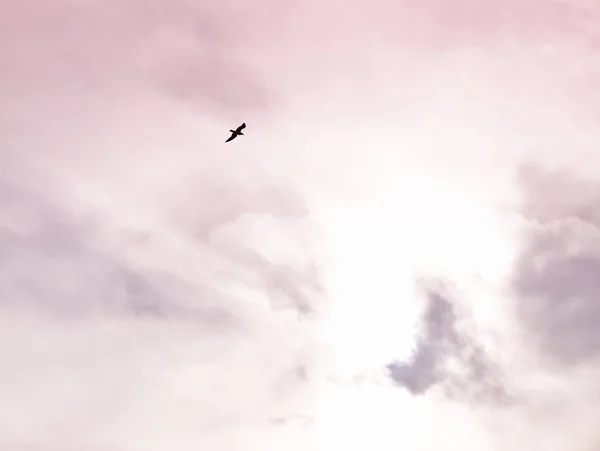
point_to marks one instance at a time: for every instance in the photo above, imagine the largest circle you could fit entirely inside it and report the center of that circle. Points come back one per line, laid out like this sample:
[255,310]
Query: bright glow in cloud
[370,266]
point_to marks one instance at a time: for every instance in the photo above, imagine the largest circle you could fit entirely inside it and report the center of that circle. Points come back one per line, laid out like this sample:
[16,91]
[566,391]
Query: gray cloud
[50,255]
[52,258]
[556,277]
[446,355]
[109,326]
[298,288]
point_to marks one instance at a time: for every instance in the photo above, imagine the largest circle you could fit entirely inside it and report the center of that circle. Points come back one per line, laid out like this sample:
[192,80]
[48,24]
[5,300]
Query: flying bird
[237,131]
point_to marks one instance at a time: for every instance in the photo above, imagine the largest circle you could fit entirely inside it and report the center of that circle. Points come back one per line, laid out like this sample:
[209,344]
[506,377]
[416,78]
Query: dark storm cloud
[557,276]
[446,356]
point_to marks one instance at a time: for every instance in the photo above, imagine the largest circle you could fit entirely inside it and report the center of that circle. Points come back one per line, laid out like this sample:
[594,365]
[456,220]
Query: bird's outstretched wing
[241,127]
[233,135]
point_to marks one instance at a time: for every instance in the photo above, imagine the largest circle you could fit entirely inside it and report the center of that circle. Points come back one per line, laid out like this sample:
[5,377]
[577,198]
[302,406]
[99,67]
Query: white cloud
[160,289]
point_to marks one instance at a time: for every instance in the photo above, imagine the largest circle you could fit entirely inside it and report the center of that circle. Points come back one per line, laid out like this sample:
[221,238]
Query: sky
[400,253]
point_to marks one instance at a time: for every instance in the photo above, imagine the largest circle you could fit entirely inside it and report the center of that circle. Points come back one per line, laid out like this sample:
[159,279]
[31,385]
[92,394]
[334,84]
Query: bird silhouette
[236,132]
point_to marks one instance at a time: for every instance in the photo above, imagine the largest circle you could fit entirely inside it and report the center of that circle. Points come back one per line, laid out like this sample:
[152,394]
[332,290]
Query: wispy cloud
[140,307]
[106,326]
[162,290]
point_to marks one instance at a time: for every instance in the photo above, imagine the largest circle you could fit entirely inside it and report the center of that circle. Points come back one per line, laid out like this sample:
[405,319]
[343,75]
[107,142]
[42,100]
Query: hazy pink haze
[402,252]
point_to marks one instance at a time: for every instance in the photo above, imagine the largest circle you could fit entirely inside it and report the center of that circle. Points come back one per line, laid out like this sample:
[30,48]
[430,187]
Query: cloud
[537,382]
[160,291]
[446,355]
[140,307]
[113,328]
[555,278]
[185,50]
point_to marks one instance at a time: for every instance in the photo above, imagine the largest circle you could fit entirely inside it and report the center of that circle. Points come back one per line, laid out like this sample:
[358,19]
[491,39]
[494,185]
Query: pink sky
[400,253]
